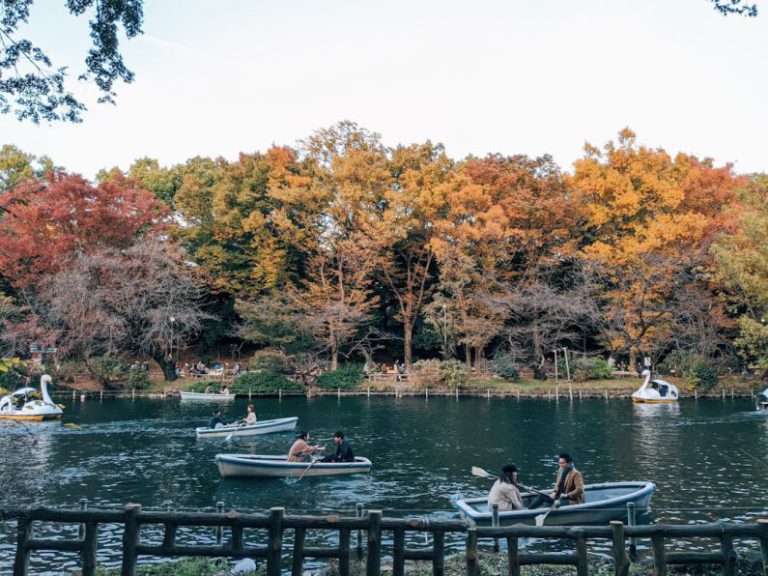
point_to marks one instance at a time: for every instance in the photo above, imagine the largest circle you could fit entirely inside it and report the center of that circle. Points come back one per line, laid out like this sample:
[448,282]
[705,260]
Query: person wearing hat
[300,450]
[504,491]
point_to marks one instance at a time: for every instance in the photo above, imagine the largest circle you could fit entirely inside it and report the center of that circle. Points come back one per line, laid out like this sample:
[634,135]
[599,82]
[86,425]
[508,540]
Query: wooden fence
[273,527]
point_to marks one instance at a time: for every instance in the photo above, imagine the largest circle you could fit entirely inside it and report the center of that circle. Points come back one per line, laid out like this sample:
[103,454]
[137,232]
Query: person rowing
[216,420]
[300,450]
[250,416]
[504,492]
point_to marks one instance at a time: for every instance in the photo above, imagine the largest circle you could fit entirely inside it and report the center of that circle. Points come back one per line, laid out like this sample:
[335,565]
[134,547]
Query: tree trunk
[468,356]
[334,355]
[632,359]
[167,366]
[408,345]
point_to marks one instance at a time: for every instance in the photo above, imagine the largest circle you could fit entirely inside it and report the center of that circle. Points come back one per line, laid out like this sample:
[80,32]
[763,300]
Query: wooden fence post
[130,539]
[495,524]
[345,540]
[659,553]
[620,560]
[763,523]
[23,533]
[81,527]
[297,566]
[275,544]
[729,555]
[438,553]
[513,556]
[473,554]
[398,553]
[90,546]
[582,566]
[373,562]
[359,514]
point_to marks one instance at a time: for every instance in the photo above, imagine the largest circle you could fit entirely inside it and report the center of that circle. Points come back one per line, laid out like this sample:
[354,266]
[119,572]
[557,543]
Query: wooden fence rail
[275,524]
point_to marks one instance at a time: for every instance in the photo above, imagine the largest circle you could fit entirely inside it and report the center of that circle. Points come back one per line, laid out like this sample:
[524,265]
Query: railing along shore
[556,393]
[276,525]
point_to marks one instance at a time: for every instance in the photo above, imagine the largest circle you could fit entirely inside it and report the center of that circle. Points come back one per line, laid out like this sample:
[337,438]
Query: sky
[511,77]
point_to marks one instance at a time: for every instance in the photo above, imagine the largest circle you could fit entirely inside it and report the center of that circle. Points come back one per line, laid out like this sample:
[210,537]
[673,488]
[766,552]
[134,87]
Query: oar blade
[479,472]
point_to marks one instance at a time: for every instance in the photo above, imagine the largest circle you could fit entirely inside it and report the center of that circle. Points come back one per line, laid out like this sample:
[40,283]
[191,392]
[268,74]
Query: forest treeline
[343,248]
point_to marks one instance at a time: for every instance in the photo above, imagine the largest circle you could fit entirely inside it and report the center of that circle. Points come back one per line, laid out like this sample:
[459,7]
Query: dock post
[219,529]
[81,527]
[495,524]
[633,540]
[359,514]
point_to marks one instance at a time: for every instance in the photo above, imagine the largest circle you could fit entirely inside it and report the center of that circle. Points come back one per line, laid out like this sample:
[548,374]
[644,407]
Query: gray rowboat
[604,502]
[262,427]
[206,396]
[261,466]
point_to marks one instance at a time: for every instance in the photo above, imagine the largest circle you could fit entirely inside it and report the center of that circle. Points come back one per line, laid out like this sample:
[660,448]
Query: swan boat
[603,503]
[260,466]
[206,396]
[26,404]
[261,427]
[655,391]
[762,400]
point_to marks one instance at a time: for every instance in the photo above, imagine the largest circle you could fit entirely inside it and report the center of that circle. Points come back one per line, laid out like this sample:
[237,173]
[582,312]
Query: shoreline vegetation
[491,564]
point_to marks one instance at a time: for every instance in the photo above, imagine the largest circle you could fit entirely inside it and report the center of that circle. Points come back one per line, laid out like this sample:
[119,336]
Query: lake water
[707,458]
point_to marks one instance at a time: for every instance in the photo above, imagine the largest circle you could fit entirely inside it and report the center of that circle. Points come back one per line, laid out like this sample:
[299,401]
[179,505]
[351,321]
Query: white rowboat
[263,427]
[261,466]
[206,396]
[604,502]
[762,400]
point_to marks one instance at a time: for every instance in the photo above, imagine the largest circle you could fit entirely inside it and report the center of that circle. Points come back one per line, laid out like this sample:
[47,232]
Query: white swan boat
[261,466]
[261,427]
[206,396]
[655,391]
[762,400]
[29,404]
[604,502]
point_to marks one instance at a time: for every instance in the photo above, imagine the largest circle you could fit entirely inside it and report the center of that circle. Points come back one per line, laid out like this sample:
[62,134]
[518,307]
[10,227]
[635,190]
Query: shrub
[595,368]
[270,360]
[346,378]
[702,376]
[138,378]
[427,373]
[111,372]
[264,382]
[454,374]
[14,373]
[505,366]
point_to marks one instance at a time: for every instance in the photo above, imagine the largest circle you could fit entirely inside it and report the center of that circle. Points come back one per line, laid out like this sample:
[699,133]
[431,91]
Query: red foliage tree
[48,221]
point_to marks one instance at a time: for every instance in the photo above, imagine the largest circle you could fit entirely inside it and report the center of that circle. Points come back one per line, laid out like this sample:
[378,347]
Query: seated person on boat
[344,451]
[569,483]
[504,492]
[300,450]
[250,417]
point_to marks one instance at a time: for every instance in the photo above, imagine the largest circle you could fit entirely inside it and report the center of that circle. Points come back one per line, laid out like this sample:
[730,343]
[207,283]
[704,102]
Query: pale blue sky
[510,76]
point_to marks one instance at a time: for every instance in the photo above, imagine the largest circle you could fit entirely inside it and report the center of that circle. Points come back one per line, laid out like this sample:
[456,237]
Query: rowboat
[655,391]
[604,502]
[29,404]
[263,427]
[206,396]
[261,466]
[762,400]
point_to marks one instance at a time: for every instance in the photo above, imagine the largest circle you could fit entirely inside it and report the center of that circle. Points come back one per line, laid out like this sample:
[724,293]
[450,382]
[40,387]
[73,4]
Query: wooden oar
[541,517]
[308,467]
[229,436]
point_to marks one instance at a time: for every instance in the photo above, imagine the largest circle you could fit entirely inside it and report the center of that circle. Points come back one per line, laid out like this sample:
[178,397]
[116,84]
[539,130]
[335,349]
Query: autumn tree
[646,215]
[140,301]
[49,221]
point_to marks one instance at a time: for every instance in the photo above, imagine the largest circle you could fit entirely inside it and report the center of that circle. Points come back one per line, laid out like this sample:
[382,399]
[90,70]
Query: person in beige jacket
[504,491]
[569,483]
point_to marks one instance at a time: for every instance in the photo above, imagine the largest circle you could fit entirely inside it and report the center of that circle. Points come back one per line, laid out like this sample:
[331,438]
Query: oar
[229,436]
[71,425]
[308,467]
[541,517]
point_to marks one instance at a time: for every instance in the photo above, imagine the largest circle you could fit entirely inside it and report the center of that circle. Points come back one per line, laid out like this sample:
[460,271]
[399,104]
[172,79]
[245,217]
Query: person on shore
[225,390]
[504,492]
[300,450]
[344,451]
[216,420]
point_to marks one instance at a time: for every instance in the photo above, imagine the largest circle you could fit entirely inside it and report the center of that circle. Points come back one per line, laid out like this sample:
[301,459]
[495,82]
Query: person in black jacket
[344,451]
